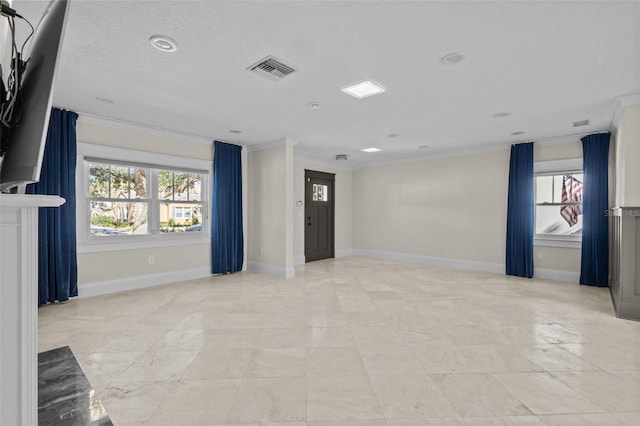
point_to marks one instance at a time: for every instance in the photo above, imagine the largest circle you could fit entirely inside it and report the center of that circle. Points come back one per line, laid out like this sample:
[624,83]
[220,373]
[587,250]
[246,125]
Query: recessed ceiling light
[581,123]
[393,135]
[342,157]
[237,132]
[501,114]
[314,105]
[163,43]
[453,58]
[364,89]
[371,149]
[423,147]
[104,100]
[518,133]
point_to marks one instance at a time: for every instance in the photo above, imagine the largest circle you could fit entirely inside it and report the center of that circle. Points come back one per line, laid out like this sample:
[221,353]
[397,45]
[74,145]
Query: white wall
[103,271]
[446,208]
[288,209]
[449,211]
[557,151]
[453,208]
[107,266]
[627,146]
[104,132]
[270,206]
[343,207]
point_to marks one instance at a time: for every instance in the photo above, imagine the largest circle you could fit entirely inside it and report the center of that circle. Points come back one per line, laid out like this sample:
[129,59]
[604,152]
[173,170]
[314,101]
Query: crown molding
[273,144]
[321,163]
[621,103]
[144,128]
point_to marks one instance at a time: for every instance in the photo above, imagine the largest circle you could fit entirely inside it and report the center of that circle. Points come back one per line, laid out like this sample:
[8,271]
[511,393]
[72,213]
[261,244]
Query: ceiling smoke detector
[453,58]
[581,123]
[314,105]
[163,43]
[342,157]
[272,68]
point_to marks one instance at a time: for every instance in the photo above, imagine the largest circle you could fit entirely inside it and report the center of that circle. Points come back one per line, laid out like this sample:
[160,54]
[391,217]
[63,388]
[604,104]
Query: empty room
[321,213]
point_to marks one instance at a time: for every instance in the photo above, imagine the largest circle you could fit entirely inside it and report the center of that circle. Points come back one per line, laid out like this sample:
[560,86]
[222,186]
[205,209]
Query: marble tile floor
[353,342]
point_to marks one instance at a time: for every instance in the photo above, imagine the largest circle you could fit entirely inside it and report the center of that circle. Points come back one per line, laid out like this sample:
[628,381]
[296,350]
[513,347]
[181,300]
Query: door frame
[331,177]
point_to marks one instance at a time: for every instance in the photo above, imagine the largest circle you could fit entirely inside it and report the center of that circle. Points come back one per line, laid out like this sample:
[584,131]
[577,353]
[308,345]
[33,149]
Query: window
[320,192]
[127,200]
[558,211]
[559,204]
[182,212]
[180,202]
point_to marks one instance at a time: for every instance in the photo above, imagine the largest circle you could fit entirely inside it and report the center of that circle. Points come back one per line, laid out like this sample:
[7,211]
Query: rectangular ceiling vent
[271,68]
[580,123]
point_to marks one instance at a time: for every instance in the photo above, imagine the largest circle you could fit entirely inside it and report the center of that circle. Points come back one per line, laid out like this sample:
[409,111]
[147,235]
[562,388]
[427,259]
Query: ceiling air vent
[271,68]
[581,123]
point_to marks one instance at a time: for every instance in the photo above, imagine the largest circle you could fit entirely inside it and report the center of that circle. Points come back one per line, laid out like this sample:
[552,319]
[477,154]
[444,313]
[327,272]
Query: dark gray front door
[319,215]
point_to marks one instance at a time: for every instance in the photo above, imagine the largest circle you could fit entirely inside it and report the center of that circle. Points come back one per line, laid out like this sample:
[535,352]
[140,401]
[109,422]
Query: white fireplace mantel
[19,306]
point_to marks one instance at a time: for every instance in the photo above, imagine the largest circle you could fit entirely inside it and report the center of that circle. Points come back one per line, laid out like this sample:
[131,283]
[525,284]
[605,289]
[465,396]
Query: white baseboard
[275,271]
[299,260]
[472,265]
[431,260]
[290,273]
[556,275]
[344,252]
[142,281]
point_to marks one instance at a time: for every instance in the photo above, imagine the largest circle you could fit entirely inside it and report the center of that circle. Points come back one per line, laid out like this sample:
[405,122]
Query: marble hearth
[65,396]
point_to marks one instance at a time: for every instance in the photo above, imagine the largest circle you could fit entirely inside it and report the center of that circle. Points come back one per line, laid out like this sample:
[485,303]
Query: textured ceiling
[547,63]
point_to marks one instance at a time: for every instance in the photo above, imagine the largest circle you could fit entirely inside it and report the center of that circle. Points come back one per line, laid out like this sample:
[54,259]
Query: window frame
[555,168]
[154,163]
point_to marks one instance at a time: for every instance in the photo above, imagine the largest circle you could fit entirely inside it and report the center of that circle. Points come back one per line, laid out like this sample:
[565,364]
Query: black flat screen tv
[22,161]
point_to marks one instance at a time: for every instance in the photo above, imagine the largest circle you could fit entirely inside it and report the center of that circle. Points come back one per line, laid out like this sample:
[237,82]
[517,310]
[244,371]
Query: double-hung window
[123,203]
[558,198]
[141,200]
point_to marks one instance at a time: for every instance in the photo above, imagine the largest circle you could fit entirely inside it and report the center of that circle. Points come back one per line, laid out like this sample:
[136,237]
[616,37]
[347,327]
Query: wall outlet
[539,255]
[152,260]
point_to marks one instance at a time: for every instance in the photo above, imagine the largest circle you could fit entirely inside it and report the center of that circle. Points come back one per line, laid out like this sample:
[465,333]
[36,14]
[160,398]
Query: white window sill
[96,246]
[572,242]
